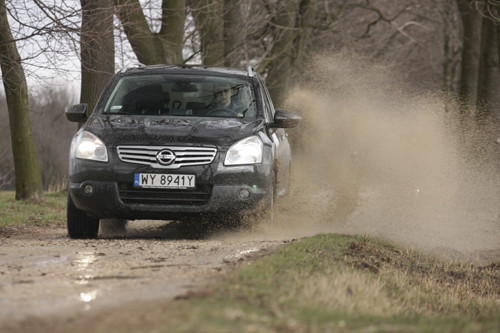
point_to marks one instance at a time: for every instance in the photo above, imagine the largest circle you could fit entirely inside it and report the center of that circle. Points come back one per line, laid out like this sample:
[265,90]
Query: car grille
[184,156]
[197,197]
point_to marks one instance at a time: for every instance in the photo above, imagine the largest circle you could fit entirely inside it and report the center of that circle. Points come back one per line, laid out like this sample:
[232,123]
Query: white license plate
[168,181]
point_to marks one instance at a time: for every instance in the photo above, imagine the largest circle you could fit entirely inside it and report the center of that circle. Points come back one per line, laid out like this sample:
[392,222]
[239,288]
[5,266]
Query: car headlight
[246,151]
[87,146]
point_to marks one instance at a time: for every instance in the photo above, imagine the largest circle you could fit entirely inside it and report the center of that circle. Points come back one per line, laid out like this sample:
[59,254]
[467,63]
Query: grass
[345,283]
[14,213]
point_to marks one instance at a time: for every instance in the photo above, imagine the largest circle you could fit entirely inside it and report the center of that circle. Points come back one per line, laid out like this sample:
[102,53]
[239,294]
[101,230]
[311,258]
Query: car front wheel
[265,212]
[80,225]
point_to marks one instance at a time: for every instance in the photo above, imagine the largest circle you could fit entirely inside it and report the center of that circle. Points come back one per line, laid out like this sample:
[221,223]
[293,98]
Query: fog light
[244,194]
[88,189]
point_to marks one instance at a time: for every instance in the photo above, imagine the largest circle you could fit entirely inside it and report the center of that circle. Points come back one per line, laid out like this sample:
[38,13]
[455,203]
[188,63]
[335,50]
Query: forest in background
[446,47]
[52,134]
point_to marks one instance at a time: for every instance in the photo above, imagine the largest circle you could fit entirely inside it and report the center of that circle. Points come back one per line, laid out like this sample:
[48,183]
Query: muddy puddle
[44,274]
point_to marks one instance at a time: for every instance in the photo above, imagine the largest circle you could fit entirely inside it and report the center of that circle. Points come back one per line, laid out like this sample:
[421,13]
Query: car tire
[80,225]
[265,214]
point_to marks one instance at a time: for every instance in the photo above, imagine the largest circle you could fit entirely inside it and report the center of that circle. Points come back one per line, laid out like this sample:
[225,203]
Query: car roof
[194,69]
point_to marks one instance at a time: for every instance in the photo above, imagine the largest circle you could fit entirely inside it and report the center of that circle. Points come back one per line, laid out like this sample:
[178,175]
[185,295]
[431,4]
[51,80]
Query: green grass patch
[16,213]
[344,283]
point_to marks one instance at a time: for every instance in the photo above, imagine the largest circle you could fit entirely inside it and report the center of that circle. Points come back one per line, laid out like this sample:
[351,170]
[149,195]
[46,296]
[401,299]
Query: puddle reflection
[83,263]
[88,297]
[84,260]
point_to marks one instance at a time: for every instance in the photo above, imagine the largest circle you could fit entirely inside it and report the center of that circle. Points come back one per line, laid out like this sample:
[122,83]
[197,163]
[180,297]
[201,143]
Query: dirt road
[44,274]
[48,281]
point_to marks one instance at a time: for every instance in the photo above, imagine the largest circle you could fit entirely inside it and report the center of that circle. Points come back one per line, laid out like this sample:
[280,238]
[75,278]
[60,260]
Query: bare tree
[52,146]
[285,28]
[28,180]
[487,8]
[154,47]
[472,22]
[489,74]
[480,79]
[6,174]
[96,48]
[235,33]
[46,35]
[209,21]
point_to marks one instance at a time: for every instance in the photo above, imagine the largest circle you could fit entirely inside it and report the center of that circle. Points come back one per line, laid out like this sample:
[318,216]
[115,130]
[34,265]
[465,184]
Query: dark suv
[176,142]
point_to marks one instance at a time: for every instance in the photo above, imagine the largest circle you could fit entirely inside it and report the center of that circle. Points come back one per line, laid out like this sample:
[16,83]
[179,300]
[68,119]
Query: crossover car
[177,142]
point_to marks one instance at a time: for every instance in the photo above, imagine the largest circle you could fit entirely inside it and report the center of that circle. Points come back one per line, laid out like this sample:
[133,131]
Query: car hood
[117,130]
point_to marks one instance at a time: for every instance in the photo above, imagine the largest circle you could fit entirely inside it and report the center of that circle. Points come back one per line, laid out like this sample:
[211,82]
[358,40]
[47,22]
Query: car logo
[165,157]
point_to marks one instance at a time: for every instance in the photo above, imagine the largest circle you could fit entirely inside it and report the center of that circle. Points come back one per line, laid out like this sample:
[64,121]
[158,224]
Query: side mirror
[285,119]
[77,113]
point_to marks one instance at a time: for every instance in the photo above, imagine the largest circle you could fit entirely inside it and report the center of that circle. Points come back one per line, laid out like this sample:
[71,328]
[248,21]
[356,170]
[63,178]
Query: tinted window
[182,95]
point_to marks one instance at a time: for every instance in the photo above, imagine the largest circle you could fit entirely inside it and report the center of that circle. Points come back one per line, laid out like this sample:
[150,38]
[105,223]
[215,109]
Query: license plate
[167,181]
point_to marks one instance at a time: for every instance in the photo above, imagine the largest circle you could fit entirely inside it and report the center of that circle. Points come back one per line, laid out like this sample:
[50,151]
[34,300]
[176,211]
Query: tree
[208,17]
[28,180]
[471,50]
[235,33]
[487,8]
[288,27]
[265,34]
[488,98]
[151,47]
[480,80]
[96,49]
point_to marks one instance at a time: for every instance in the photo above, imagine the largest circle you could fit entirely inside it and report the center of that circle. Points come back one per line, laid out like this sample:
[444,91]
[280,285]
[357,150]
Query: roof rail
[251,71]
[132,65]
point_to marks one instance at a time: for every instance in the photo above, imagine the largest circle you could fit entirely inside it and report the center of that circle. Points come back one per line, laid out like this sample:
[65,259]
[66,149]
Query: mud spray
[372,158]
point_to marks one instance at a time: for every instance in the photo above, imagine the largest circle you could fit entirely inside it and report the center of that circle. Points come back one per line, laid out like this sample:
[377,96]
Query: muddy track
[44,274]
[51,283]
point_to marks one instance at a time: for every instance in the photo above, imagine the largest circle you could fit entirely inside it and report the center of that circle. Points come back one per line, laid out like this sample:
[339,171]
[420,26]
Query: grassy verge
[343,283]
[15,213]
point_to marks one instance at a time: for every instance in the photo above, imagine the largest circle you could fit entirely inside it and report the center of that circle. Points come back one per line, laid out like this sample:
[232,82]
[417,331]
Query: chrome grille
[184,156]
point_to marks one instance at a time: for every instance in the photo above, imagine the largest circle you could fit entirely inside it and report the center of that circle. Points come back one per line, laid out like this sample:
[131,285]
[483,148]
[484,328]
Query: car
[172,142]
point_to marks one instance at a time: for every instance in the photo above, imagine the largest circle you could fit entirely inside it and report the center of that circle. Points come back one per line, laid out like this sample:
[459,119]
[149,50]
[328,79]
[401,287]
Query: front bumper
[112,195]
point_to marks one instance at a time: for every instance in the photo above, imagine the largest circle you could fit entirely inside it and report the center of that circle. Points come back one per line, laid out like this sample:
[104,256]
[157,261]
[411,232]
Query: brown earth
[51,283]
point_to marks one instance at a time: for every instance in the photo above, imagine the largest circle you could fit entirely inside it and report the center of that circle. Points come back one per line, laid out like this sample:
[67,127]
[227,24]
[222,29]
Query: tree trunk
[234,34]
[149,47]
[451,50]
[279,64]
[489,74]
[142,40]
[97,49]
[172,30]
[28,180]
[307,17]
[208,15]
[472,22]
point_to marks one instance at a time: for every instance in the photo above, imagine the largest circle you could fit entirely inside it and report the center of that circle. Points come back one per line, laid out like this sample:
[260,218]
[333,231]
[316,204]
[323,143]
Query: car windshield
[182,95]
